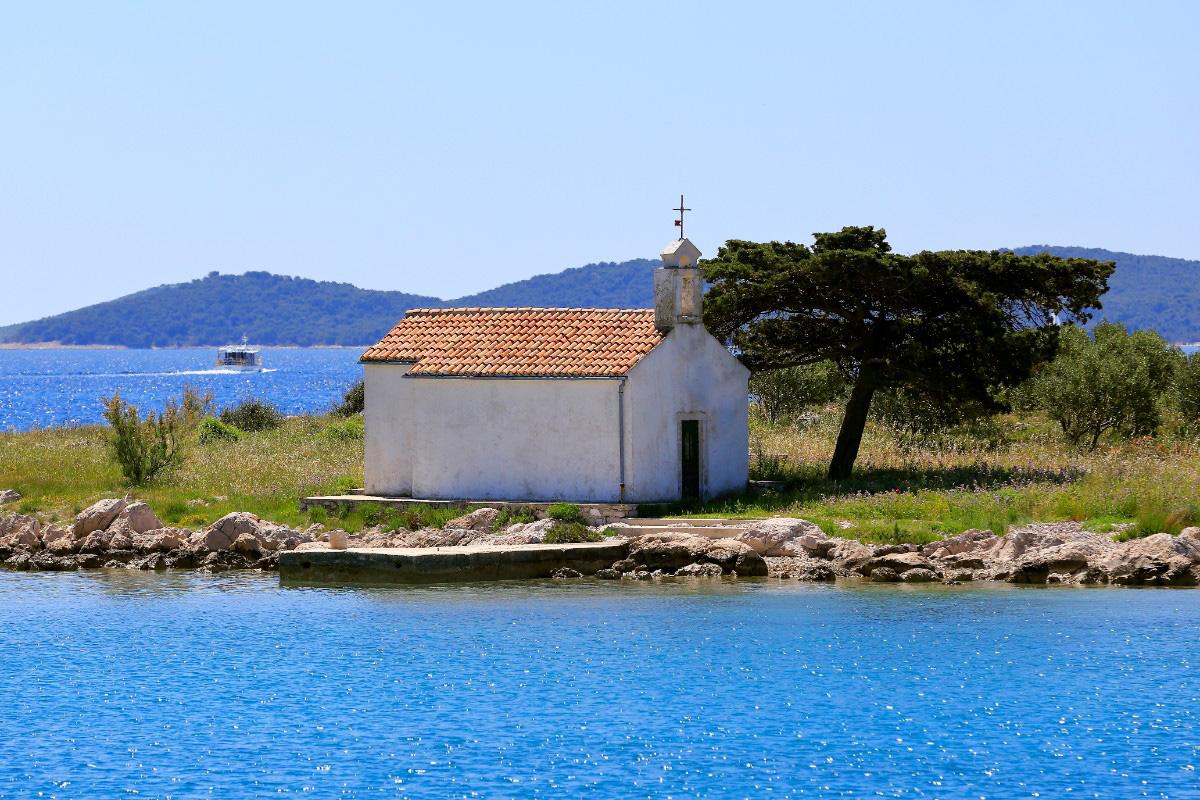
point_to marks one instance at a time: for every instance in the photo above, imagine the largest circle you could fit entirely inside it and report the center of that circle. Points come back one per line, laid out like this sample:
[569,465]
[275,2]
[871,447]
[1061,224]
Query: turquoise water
[39,388]
[132,684]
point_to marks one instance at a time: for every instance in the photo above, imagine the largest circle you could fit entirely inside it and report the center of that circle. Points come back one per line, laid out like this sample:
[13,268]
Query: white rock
[480,519]
[247,544]
[9,496]
[20,530]
[97,517]
[58,540]
[161,540]
[135,518]
[784,536]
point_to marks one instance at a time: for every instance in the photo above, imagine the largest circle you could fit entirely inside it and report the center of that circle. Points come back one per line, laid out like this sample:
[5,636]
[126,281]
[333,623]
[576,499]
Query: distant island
[1146,292]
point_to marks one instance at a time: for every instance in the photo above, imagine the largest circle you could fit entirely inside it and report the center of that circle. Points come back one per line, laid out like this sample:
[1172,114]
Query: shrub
[1187,392]
[143,448]
[572,533]
[781,394]
[1110,381]
[565,512]
[508,517]
[353,401]
[252,415]
[212,430]
[916,417]
[346,430]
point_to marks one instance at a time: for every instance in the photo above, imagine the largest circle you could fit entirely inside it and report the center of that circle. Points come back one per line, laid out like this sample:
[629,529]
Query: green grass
[60,471]
[1022,472]
[901,491]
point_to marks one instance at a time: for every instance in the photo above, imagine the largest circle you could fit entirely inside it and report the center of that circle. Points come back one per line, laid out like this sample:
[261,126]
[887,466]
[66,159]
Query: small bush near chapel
[212,430]
[572,533]
[565,512]
[353,401]
[252,415]
[144,448]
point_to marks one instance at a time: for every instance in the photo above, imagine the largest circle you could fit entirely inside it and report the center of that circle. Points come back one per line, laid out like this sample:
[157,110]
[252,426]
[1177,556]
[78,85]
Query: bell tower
[678,283]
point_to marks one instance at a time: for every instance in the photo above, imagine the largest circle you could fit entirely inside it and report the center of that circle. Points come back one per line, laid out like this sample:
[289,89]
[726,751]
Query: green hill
[218,309]
[279,310]
[629,284]
[1145,292]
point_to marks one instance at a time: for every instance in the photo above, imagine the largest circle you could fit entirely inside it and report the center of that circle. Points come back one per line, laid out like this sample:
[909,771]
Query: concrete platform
[442,564]
[609,512]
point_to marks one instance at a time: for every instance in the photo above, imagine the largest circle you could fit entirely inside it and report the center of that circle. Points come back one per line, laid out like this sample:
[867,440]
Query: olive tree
[782,394]
[1111,380]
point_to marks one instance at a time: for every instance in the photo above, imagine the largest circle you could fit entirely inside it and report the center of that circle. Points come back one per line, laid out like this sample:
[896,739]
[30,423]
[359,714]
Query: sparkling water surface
[43,387]
[123,684]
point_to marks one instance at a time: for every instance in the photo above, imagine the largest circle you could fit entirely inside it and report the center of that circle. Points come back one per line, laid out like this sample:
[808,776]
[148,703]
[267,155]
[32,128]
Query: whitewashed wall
[491,439]
[386,414]
[689,376]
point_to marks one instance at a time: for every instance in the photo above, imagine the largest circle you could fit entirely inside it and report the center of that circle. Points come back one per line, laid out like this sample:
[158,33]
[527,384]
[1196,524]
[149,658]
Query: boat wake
[215,371]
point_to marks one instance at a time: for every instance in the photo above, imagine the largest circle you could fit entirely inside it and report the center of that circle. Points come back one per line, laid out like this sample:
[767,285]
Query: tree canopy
[954,326]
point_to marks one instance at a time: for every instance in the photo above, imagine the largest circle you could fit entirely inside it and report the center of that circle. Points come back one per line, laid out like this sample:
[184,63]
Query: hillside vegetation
[280,310]
[1147,292]
[218,309]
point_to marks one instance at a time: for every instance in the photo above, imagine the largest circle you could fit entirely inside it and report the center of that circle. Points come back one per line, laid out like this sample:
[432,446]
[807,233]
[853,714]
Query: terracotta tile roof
[541,342]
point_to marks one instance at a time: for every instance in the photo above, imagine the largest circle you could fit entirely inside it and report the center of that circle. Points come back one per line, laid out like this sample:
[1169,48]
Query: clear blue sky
[446,148]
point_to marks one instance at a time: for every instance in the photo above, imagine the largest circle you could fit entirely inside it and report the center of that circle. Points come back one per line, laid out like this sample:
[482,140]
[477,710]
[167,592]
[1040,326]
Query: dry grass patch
[60,471]
[1015,469]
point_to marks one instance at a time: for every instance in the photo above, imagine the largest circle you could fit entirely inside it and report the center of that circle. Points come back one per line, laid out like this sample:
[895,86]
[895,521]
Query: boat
[240,357]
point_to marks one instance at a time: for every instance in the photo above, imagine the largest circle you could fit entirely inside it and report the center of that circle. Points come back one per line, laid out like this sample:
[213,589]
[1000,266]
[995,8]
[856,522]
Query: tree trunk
[853,423]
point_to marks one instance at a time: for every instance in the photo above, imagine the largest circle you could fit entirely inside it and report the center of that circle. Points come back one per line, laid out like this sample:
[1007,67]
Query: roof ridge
[491,309]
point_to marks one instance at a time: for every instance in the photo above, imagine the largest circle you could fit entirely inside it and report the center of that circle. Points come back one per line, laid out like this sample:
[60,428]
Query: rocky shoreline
[123,533]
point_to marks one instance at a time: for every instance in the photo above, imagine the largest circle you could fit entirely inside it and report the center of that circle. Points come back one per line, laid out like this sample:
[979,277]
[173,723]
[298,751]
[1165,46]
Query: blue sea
[128,684]
[40,388]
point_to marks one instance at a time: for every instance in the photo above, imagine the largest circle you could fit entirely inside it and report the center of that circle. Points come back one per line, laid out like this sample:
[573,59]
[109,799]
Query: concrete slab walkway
[437,564]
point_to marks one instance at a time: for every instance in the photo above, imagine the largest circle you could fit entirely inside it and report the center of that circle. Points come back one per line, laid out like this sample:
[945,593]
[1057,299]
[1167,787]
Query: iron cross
[679,222]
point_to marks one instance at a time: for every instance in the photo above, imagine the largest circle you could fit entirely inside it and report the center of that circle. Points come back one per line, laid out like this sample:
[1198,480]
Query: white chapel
[572,404]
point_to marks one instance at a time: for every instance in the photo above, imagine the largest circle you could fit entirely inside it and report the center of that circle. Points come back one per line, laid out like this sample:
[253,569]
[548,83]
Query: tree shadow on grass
[810,485]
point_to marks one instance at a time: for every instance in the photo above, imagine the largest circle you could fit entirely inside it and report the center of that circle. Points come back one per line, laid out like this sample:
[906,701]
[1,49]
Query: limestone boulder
[95,542]
[135,518]
[9,496]
[670,551]
[527,532]
[1161,559]
[699,571]
[850,554]
[1038,564]
[224,532]
[481,519]
[160,540]
[969,541]
[247,544]
[97,517]
[783,536]
[59,540]
[919,575]
[20,531]
[884,575]
[898,562]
